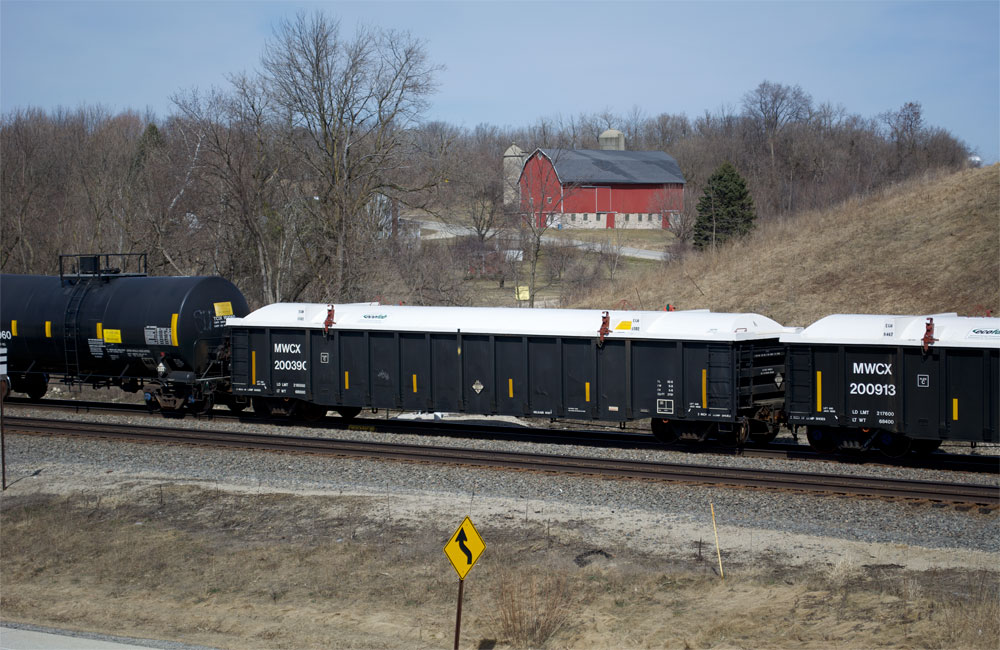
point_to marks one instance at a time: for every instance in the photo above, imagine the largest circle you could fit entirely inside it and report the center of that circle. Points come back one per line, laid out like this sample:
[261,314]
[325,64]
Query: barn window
[584,217]
[573,218]
[548,200]
[626,218]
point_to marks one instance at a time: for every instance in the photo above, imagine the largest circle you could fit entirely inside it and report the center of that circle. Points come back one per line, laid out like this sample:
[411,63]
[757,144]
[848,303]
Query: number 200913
[861,388]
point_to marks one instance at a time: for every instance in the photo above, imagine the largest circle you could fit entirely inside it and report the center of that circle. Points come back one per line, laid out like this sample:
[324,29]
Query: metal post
[3,448]
[458,616]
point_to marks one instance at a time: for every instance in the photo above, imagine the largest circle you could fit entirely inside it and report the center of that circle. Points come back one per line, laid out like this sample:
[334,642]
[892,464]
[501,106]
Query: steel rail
[584,438]
[983,495]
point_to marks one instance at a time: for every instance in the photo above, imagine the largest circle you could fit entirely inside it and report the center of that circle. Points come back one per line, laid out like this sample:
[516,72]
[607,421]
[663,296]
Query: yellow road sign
[464,548]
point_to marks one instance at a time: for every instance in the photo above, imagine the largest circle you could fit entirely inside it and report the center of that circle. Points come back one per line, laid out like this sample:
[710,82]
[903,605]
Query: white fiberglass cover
[950,330]
[696,325]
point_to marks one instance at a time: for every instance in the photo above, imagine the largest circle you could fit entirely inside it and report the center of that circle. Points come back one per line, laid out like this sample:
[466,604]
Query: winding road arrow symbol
[462,539]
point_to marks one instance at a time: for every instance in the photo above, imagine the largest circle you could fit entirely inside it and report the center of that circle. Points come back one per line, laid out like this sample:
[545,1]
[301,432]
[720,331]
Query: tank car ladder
[71,325]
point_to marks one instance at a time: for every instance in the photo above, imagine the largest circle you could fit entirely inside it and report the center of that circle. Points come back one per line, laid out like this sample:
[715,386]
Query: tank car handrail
[98,265]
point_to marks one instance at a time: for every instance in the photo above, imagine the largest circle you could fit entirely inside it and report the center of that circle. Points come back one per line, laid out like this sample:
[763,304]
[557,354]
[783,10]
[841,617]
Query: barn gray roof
[586,166]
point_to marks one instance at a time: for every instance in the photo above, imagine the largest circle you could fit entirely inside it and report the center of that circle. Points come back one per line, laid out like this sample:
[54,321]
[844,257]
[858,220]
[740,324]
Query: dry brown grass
[928,245]
[281,571]
[529,607]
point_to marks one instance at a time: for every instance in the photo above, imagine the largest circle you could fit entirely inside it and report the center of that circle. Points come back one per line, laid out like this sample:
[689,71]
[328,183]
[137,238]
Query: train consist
[895,383]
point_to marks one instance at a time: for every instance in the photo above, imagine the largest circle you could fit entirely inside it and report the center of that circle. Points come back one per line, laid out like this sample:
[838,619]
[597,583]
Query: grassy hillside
[924,246]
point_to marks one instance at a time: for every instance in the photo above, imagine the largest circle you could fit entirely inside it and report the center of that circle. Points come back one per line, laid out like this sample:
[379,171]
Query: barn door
[603,202]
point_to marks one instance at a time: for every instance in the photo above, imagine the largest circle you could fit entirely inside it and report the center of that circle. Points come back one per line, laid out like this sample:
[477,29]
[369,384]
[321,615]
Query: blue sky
[511,63]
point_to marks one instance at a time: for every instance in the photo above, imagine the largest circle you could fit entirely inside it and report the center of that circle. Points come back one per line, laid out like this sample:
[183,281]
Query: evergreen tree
[725,209]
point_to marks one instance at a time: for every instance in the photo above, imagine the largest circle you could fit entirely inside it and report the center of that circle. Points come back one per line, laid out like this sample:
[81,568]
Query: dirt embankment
[928,245]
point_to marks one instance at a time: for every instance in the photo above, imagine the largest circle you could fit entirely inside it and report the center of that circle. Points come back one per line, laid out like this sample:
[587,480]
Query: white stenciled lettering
[861,388]
[286,364]
[288,348]
[866,368]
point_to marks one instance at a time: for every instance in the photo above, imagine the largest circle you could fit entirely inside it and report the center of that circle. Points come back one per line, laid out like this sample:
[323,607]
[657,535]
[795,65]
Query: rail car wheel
[261,407]
[348,412]
[822,440]
[663,430]
[924,447]
[893,445]
[34,386]
[310,412]
[696,431]
[37,393]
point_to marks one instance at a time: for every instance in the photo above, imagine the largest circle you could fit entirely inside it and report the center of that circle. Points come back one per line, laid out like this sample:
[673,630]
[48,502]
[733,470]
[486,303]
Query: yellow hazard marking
[464,548]
[704,388]
[414,383]
[954,409]
[48,329]
[624,325]
[173,330]
[253,367]
[223,308]
[587,391]
[510,387]
[347,381]
[100,331]
[819,391]
[112,336]
[13,328]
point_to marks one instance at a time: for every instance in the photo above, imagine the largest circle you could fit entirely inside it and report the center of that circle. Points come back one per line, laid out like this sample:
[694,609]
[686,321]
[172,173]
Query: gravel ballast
[642,511]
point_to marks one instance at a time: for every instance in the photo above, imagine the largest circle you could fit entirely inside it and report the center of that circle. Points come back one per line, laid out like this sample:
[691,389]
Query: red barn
[583,188]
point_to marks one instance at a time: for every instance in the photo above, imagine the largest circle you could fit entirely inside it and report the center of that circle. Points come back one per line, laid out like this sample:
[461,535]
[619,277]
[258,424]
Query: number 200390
[861,388]
[284,364]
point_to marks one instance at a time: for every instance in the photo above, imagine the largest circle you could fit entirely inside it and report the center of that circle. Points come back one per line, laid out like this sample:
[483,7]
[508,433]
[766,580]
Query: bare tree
[772,106]
[26,175]
[251,186]
[613,249]
[350,103]
[476,187]
[543,197]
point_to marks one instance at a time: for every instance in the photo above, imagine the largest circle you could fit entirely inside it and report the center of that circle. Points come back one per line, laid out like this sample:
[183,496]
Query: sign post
[463,549]
[3,396]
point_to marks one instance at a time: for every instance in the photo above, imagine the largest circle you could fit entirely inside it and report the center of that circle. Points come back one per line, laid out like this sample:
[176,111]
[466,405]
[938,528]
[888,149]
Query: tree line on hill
[291,180]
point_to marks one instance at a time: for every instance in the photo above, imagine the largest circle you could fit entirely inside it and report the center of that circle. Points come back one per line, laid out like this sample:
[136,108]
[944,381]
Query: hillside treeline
[795,154]
[290,180]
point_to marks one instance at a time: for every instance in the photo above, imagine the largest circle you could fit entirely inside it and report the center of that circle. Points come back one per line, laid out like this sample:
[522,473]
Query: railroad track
[586,438]
[627,469]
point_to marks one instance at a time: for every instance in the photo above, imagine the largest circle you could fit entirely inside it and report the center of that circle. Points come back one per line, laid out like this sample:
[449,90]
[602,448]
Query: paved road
[29,639]
[446,231]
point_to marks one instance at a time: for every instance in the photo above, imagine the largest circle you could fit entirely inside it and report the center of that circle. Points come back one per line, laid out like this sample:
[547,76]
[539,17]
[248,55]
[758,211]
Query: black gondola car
[104,322]
[895,382]
[694,373]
